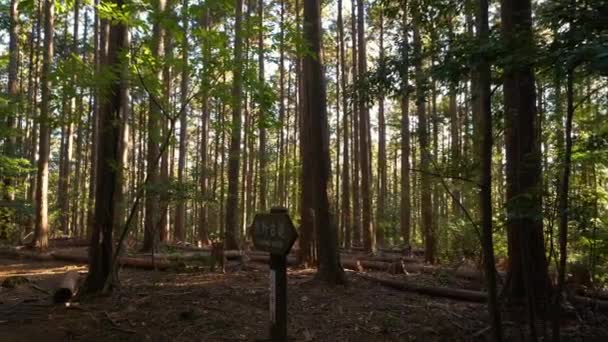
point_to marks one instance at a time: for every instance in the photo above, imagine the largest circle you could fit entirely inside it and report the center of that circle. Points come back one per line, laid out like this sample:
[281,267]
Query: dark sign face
[273,233]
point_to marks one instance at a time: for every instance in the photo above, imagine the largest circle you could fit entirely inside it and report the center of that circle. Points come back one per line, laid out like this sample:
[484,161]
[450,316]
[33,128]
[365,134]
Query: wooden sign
[274,232]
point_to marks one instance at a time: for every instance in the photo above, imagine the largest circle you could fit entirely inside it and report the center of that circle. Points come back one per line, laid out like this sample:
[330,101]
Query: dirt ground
[203,306]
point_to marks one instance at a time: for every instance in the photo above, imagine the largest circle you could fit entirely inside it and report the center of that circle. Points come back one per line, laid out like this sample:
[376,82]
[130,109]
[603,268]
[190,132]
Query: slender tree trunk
[382,160]
[369,239]
[262,154]
[180,217]
[315,160]
[345,209]
[406,211]
[485,195]
[425,157]
[13,93]
[355,123]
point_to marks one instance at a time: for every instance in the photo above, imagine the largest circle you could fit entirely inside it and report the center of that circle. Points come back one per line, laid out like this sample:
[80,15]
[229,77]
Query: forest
[442,163]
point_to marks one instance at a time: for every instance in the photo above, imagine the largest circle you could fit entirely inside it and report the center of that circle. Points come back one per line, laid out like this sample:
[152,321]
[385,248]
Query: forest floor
[204,306]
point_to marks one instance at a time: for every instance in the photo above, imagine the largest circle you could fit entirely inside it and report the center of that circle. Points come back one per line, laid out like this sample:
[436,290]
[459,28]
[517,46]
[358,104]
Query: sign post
[274,233]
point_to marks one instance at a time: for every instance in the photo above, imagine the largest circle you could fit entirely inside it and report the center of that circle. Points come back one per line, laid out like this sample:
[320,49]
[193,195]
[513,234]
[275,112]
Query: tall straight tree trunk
[425,157]
[382,160]
[369,239]
[262,155]
[180,217]
[485,195]
[31,193]
[406,207]
[232,203]
[152,207]
[41,234]
[203,219]
[98,43]
[13,93]
[109,186]
[165,164]
[281,166]
[355,123]
[315,160]
[527,274]
[345,209]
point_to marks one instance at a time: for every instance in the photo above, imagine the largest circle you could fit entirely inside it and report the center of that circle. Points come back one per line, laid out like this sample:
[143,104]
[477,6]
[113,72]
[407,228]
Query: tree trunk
[356,228]
[369,239]
[13,93]
[485,195]
[232,203]
[425,157]
[345,209]
[261,116]
[315,160]
[41,238]
[406,210]
[528,278]
[180,216]
[382,160]
[152,207]
[108,188]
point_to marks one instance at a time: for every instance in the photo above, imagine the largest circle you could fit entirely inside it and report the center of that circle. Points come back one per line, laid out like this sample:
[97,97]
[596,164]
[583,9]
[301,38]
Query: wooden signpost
[274,233]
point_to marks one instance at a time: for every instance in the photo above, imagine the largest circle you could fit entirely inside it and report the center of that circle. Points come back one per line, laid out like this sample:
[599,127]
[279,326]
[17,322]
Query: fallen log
[459,294]
[291,261]
[22,252]
[66,288]
[362,264]
[599,304]
[147,263]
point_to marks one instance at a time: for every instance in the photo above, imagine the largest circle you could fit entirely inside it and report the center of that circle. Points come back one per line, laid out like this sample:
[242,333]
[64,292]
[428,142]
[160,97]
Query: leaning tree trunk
[315,159]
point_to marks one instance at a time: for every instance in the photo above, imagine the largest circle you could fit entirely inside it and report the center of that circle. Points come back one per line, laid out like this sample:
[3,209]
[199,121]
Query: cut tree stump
[66,288]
